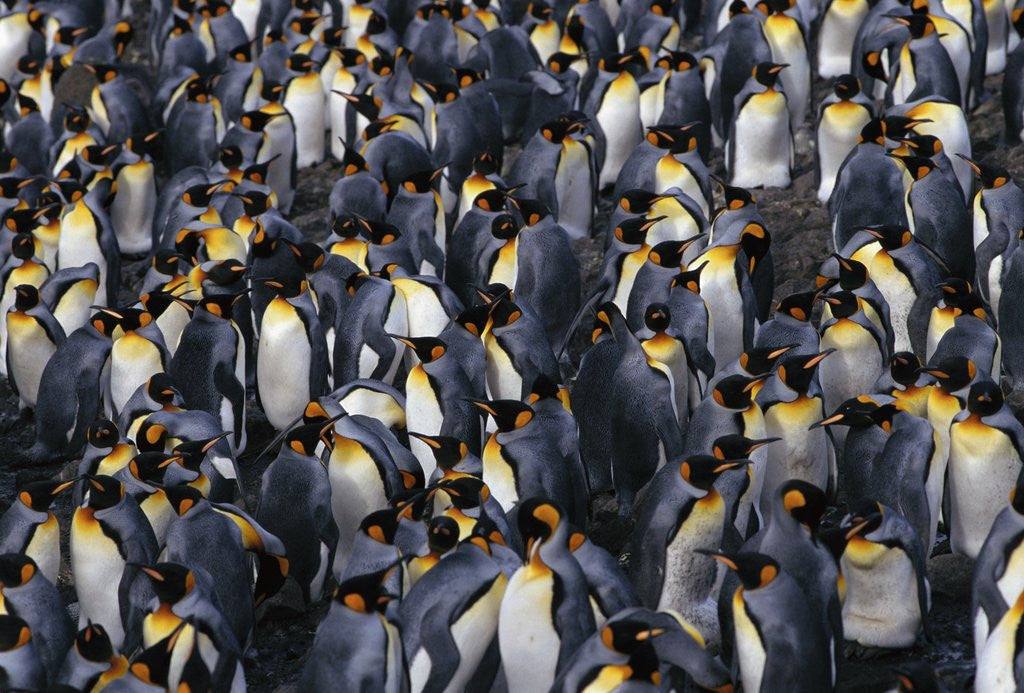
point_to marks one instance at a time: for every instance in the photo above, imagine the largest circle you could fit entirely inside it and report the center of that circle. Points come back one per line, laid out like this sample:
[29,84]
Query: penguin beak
[818,359]
[761,443]
[970,162]
[776,69]
[828,421]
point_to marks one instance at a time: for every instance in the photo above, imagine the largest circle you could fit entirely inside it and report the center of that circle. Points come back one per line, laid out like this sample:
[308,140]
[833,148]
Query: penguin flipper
[10,373]
[436,638]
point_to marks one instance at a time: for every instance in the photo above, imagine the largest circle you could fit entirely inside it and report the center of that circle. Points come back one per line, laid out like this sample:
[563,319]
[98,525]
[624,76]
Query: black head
[701,471]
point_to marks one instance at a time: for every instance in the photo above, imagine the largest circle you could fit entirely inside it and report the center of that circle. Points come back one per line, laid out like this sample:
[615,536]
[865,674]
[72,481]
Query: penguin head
[39,495]
[464,490]
[917,166]
[737,447]
[755,241]
[904,368]
[494,200]
[737,8]
[842,304]
[736,391]
[191,453]
[346,226]
[991,176]
[852,274]
[630,61]
[134,319]
[626,635]
[670,253]
[1017,20]
[1017,496]
[533,211]
[797,306]
[254,202]
[467,77]
[503,227]
[474,319]
[26,297]
[767,74]
[543,388]
[923,145]
[380,525]
[504,312]
[689,280]
[14,633]
[220,305]
[865,517]
[657,317]
[447,450]
[172,582]
[23,245]
[701,471]
[855,412]
[107,322]
[874,130]
[103,491]
[427,349]
[561,62]
[103,434]
[917,677]
[676,139]
[352,162]
[365,593]
[508,414]
[241,53]
[898,127]
[953,373]
[797,371]
[486,163]
[201,195]
[442,534]
[287,287]
[755,570]
[149,467]
[257,173]
[538,520]
[166,262]
[152,666]
[257,121]
[151,436]
[300,62]
[633,231]
[637,200]
[919,25]
[76,119]
[846,87]
[93,644]
[762,360]
[422,181]
[804,502]
[677,61]
[890,236]
[309,256]
[984,398]
[182,498]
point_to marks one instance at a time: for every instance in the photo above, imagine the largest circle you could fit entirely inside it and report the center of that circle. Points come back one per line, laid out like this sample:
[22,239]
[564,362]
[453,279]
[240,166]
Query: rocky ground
[799,228]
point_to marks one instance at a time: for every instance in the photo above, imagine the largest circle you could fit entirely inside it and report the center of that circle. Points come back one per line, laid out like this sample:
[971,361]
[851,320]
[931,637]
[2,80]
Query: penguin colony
[439,446]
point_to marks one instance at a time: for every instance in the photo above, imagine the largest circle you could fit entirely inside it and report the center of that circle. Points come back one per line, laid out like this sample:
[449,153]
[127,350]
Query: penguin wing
[270,552]
[657,520]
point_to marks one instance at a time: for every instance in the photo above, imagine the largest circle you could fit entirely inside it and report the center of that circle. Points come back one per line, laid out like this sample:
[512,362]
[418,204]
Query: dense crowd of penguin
[441,438]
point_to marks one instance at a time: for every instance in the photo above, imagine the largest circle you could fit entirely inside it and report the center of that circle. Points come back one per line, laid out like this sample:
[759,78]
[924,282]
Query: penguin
[213,537]
[1013,107]
[209,365]
[356,646]
[32,597]
[638,646]
[726,287]
[87,236]
[521,460]
[110,537]
[925,68]
[33,335]
[670,352]
[362,347]
[417,211]
[941,222]
[997,577]
[29,527]
[1000,654]
[20,663]
[791,402]
[756,159]
[986,424]
[517,350]
[1009,316]
[91,658]
[69,390]
[645,429]
[296,480]
[887,590]
[613,101]
[841,117]
[195,126]
[790,326]
[290,333]
[769,623]
[442,538]
[667,158]
[840,22]
[860,355]
[137,353]
[450,617]
[540,625]
[681,516]
[304,100]
[436,398]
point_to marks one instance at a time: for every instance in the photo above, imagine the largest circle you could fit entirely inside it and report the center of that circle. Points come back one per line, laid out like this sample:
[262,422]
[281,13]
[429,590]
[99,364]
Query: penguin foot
[854,650]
